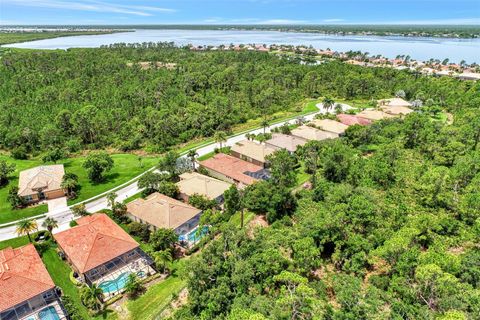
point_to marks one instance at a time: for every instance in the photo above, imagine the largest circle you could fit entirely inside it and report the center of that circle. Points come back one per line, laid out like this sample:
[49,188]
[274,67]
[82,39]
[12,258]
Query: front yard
[126,167]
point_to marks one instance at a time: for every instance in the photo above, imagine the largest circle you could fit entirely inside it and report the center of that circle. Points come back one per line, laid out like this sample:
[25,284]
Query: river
[418,48]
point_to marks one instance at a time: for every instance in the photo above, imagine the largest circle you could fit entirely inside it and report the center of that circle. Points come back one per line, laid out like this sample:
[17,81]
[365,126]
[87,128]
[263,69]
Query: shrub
[19,153]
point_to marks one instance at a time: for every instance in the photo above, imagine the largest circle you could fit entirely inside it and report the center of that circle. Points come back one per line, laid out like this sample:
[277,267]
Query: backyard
[126,167]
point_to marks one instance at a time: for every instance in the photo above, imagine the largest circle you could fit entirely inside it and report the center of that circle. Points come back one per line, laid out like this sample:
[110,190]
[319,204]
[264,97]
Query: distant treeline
[16,37]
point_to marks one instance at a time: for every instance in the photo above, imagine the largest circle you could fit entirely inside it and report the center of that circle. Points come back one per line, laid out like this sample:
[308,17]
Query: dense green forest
[390,230]
[96,98]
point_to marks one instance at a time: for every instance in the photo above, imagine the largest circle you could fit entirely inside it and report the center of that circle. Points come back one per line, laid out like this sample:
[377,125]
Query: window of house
[28,198]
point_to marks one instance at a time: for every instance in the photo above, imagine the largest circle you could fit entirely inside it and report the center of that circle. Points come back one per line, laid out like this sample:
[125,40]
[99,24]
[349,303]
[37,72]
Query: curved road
[130,188]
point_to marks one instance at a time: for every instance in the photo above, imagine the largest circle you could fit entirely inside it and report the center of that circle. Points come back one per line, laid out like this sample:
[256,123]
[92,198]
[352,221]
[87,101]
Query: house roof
[252,149]
[330,125]
[232,167]
[286,141]
[195,183]
[45,178]
[22,276]
[96,240]
[351,120]
[394,102]
[162,211]
[310,133]
[374,115]
[396,110]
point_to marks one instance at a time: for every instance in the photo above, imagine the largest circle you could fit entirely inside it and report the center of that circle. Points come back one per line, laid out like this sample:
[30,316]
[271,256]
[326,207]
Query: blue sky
[240,11]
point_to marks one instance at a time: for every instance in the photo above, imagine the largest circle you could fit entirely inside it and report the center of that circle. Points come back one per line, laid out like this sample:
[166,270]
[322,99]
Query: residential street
[128,189]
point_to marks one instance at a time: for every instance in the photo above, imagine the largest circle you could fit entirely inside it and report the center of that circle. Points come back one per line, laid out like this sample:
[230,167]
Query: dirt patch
[145,65]
[175,304]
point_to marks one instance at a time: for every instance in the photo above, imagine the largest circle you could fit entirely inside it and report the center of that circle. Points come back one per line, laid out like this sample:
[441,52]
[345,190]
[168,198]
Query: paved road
[128,189]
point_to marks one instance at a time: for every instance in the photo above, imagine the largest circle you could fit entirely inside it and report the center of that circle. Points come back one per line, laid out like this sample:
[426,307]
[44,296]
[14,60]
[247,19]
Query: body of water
[418,48]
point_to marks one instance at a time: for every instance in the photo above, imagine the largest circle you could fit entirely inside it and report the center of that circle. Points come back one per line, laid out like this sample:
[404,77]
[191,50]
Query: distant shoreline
[435,31]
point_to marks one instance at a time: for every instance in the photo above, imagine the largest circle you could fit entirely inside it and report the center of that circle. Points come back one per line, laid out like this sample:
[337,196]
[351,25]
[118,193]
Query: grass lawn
[302,176]
[60,273]
[156,299]
[236,218]
[126,167]
[15,242]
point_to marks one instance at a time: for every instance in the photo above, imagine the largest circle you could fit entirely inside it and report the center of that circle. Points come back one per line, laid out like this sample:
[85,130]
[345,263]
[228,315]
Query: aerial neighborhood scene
[239,160]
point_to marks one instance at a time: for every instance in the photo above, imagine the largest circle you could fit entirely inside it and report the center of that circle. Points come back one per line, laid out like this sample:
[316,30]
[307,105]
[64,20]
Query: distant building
[160,211]
[100,252]
[195,183]
[285,141]
[330,125]
[350,120]
[41,183]
[234,170]
[374,115]
[251,151]
[311,133]
[26,289]
[469,76]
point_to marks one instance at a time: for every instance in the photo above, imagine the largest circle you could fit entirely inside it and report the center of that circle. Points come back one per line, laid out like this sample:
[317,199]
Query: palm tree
[91,296]
[50,224]
[264,124]
[220,137]
[191,155]
[69,183]
[328,103]
[162,259]
[25,227]
[111,199]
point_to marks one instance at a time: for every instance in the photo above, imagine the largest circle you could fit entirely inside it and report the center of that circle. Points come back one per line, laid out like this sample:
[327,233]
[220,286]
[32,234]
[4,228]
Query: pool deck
[136,266]
[35,314]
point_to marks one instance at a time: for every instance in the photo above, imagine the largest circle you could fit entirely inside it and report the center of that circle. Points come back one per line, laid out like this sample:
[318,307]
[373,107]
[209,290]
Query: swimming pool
[48,314]
[194,235]
[116,284]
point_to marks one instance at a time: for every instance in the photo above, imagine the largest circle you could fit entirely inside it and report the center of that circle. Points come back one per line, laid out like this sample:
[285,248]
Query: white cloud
[333,20]
[90,5]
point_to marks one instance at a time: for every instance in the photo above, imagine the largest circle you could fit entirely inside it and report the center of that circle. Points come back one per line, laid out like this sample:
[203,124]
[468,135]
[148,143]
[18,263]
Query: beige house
[285,141]
[252,152]
[160,211]
[43,182]
[195,183]
[374,115]
[311,133]
[395,106]
[329,125]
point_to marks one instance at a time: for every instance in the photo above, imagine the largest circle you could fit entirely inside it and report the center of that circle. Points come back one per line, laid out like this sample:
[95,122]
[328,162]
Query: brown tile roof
[394,102]
[96,240]
[162,211]
[231,167]
[46,178]
[310,133]
[22,276]
[330,125]
[351,120]
[195,183]
[285,141]
[374,115]
[252,149]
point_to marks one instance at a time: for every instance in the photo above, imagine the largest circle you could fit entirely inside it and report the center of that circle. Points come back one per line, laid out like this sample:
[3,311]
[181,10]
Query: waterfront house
[251,151]
[26,289]
[285,141]
[41,183]
[195,183]
[234,170]
[101,252]
[329,125]
[311,133]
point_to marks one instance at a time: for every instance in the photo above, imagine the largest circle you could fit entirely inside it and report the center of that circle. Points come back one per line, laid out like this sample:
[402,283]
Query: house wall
[247,158]
[52,194]
[137,219]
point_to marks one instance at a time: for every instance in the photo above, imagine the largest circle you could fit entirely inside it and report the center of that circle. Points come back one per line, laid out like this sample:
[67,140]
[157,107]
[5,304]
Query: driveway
[58,204]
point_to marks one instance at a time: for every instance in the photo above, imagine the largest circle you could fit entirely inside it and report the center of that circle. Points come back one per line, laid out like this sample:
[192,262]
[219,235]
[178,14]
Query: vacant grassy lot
[126,167]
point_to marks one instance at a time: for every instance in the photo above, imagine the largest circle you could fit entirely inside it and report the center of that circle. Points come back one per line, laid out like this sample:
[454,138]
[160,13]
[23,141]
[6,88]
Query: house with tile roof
[26,289]
[330,125]
[311,133]
[234,170]
[252,151]
[195,183]
[395,106]
[281,141]
[374,115]
[98,249]
[159,211]
[41,183]
[350,120]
